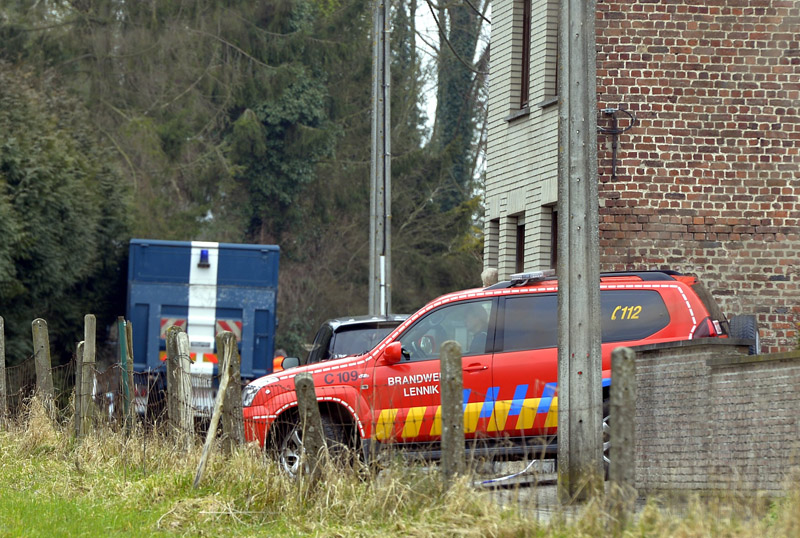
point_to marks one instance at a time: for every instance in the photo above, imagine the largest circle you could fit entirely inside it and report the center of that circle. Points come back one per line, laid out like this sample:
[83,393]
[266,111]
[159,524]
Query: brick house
[707,179]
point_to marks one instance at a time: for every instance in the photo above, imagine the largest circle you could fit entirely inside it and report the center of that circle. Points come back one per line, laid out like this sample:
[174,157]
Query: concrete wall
[711,417]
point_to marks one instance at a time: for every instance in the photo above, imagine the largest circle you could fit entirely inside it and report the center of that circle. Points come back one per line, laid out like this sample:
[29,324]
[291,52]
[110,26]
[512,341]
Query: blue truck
[205,288]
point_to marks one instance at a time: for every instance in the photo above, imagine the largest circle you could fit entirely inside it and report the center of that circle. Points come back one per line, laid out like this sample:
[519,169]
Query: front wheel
[290,450]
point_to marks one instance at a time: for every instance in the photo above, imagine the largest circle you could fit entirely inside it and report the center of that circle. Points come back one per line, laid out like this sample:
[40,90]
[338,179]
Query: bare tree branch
[443,33]
[231,45]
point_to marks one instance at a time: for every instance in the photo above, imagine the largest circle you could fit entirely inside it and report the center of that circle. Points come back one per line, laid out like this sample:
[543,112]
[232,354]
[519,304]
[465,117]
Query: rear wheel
[746,326]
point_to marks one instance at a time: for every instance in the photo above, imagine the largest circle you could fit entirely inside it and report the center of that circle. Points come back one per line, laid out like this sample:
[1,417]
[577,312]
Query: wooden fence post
[622,413]
[3,387]
[88,372]
[452,387]
[179,382]
[225,347]
[41,354]
[125,389]
[314,448]
[130,417]
[232,416]
[78,388]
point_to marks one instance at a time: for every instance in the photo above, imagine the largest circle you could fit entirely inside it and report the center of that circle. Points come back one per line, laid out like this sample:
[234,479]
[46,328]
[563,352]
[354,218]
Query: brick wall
[708,179]
[709,417]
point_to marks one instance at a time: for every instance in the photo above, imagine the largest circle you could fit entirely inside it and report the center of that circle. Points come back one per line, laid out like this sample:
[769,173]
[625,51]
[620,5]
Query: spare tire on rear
[746,326]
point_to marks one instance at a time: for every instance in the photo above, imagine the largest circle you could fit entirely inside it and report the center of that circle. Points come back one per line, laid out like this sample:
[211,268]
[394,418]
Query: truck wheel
[290,450]
[745,326]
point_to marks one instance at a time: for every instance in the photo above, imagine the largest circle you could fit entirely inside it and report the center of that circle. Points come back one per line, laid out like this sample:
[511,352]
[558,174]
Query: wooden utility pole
[580,467]
[380,207]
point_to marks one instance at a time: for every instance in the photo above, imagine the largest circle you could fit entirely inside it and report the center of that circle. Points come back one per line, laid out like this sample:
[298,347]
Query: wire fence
[190,408]
[149,395]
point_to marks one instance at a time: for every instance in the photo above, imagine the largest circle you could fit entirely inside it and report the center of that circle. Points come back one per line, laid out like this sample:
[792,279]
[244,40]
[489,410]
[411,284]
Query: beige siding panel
[522,154]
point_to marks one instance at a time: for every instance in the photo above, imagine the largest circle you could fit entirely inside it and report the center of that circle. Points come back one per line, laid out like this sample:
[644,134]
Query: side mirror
[290,362]
[393,353]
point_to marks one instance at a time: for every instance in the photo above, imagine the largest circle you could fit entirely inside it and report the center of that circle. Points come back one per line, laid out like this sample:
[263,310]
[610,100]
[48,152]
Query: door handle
[475,368]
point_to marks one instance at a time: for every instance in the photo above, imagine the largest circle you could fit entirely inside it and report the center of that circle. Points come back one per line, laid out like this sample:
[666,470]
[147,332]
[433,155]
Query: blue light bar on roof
[533,276]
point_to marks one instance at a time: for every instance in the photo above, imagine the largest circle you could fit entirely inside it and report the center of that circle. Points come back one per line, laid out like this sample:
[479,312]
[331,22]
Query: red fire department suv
[390,395]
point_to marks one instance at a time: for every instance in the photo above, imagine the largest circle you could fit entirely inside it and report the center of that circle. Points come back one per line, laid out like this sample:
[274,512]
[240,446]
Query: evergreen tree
[250,121]
[62,212]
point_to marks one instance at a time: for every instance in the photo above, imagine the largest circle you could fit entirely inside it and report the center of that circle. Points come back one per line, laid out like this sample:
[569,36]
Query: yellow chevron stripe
[413,424]
[413,421]
[436,428]
[385,426]
[552,417]
[471,415]
[497,422]
[528,413]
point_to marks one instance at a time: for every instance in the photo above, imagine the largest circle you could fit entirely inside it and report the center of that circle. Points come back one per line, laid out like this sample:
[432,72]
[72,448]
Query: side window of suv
[467,323]
[319,348]
[632,314]
[531,321]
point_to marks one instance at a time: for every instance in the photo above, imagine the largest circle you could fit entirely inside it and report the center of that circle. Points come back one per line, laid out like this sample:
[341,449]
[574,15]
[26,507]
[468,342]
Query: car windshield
[358,340]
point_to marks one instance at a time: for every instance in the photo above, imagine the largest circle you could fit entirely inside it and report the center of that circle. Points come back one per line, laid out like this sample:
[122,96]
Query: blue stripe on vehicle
[488,403]
[466,398]
[547,398]
[519,398]
[606,381]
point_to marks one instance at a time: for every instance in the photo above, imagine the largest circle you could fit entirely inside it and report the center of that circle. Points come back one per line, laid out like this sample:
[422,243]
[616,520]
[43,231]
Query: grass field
[110,484]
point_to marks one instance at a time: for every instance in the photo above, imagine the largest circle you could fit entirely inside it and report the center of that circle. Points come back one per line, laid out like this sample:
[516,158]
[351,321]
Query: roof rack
[521,279]
[646,275]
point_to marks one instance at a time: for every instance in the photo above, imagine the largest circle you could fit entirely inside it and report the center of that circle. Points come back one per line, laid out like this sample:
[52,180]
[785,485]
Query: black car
[354,335]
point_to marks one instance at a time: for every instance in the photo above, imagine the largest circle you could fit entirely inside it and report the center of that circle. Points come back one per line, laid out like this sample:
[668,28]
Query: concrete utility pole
[580,464]
[380,208]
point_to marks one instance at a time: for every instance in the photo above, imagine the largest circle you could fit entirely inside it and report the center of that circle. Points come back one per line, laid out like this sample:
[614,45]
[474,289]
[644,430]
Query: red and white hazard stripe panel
[231,325]
[166,323]
[204,357]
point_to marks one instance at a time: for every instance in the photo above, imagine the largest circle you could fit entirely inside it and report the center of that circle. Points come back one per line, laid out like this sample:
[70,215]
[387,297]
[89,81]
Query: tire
[290,451]
[746,327]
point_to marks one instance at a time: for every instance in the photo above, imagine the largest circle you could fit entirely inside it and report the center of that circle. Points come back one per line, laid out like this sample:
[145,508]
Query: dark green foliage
[62,212]
[457,106]
[235,121]
[277,147]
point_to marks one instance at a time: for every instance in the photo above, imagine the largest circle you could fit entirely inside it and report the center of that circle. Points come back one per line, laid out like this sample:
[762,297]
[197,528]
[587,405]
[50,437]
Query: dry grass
[145,482]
